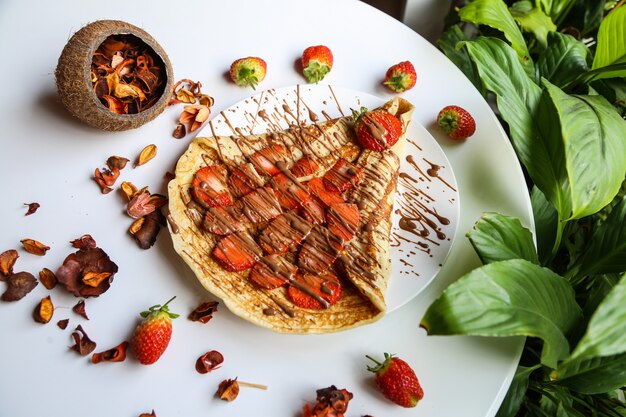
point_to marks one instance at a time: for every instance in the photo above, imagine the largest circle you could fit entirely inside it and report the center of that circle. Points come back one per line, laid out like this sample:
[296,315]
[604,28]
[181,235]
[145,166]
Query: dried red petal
[35,247]
[32,208]
[204,312]
[84,242]
[228,390]
[140,206]
[82,343]
[7,261]
[209,361]
[79,309]
[63,323]
[152,414]
[18,285]
[116,162]
[47,278]
[116,354]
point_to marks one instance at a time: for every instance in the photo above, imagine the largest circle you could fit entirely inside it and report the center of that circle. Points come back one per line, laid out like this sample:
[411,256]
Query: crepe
[364,264]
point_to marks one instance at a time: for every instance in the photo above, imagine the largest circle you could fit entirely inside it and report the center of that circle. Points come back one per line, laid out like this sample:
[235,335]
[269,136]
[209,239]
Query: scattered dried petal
[152,414]
[7,261]
[180,131]
[129,190]
[84,242]
[63,323]
[44,310]
[47,278]
[157,200]
[116,354]
[204,312]
[209,361]
[82,343]
[93,279]
[228,390]
[79,309]
[32,208]
[146,155]
[18,285]
[116,162]
[148,229]
[185,96]
[194,115]
[206,100]
[140,206]
[34,247]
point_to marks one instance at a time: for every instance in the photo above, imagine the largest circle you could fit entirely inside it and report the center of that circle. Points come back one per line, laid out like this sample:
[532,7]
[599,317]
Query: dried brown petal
[149,229]
[168,176]
[135,227]
[88,259]
[146,155]
[7,261]
[206,100]
[44,310]
[19,284]
[79,309]
[47,278]
[34,247]
[194,115]
[63,323]
[82,343]
[116,354]
[129,190]
[228,390]
[152,414]
[209,361]
[180,131]
[140,205]
[185,96]
[32,208]
[94,279]
[84,242]
[204,312]
[157,200]
[116,162]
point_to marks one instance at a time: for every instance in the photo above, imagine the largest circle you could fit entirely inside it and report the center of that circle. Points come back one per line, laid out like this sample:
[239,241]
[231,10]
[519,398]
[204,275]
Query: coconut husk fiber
[74,83]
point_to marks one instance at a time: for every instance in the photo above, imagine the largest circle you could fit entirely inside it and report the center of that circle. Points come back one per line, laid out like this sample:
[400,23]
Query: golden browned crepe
[365,262]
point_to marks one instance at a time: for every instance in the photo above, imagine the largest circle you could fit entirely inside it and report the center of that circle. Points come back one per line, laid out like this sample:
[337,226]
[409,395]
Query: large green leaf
[595,152]
[564,59]
[594,376]
[516,393]
[546,219]
[449,44]
[508,298]
[496,237]
[556,9]
[533,20]
[611,47]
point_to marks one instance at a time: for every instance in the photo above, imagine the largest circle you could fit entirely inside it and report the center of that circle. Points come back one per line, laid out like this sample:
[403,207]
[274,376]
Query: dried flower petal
[185,96]
[44,310]
[180,131]
[209,361]
[146,155]
[94,279]
[34,247]
[116,354]
[84,242]
[32,208]
[206,100]
[140,205]
[18,285]
[82,343]
[7,261]
[116,162]
[47,278]
[152,414]
[148,229]
[194,115]
[79,309]
[228,390]
[129,190]
[62,324]
[204,312]
[158,200]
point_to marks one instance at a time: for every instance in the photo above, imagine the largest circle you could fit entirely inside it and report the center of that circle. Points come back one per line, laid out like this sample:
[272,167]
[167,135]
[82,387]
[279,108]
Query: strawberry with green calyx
[152,335]
[397,381]
[456,122]
[317,61]
[401,77]
[376,130]
[248,72]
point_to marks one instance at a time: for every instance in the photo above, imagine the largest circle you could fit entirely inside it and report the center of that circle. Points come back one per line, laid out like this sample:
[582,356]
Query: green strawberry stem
[356,114]
[379,365]
[156,309]
[448,122]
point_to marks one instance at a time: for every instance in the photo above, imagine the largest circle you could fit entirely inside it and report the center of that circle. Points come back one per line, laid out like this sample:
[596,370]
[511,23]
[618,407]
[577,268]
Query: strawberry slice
[261,205]
[327,197]
[304,167]
[314,291]
[272,271]
[222,221]
[208,187]
[342,176]
[283,233]
[291,194]
[313,211]
[237,252]
[266,160]
[343,220]
[243,180]
[319,251]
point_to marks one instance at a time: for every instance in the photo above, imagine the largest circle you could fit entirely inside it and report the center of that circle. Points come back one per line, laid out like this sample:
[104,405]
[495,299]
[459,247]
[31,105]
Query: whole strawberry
[153,334]
[376,130]
[316,63]
[248,71]
[397,381]
[456,122]
[401,77]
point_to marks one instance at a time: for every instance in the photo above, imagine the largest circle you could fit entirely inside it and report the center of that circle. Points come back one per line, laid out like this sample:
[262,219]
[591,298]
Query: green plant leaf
[611,47]
[449,45]
[556,9]
[508,298]
[496,237]
[516,393]
[564,59]
[546,220]
[594,376]
[595,152]
[533,20]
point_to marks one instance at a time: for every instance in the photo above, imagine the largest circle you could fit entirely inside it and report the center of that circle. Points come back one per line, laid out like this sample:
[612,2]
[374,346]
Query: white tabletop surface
[49,157]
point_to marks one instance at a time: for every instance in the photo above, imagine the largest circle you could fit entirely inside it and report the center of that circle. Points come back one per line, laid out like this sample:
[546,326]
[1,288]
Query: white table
[49,157]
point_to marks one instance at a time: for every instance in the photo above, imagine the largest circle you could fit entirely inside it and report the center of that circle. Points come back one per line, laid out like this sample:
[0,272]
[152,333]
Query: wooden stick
[251,385]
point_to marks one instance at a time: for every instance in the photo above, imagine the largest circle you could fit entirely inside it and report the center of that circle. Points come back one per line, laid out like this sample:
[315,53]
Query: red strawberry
[318,189]
[397,381]
[313,211]
[304,167]
[342,176]
[283,233]
[266,160]
[314,291]
[243,180]
[272,271]
[377,130]
[343,220]
[319,250]
[248,71]
[237,252]
[456,122]
[290,194]
[208,187]
[316,63]
[400,77]
[153,333]
[222,221]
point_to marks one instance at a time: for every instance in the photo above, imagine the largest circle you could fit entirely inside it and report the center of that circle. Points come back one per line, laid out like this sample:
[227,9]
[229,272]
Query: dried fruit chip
[44,310]
[47,278]
[116,354]
[7,261]
[204,312]
[79,309]
[63,323]
[94,279]
[228,390]
[34,247]
[82,343]
[32,208]
[19,284]
[146,155]
[209,361]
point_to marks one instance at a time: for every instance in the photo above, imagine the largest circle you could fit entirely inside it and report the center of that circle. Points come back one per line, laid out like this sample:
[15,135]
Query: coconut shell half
[74,81]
